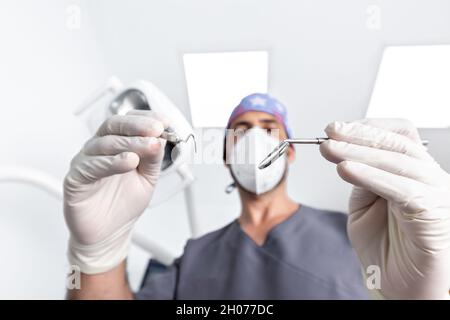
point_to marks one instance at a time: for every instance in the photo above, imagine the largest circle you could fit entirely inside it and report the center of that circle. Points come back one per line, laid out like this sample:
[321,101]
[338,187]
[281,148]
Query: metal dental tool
[173,137]
[283,146]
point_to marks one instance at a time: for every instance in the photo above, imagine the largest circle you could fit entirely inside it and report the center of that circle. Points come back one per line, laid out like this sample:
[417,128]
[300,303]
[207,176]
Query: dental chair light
[143,95]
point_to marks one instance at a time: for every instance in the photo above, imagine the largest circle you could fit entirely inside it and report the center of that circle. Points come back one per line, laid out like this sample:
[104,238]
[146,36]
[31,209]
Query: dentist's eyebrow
[268,121]
[242,123]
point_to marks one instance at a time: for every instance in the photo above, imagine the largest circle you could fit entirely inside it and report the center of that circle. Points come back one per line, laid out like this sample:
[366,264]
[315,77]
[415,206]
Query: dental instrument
[173,137]
[282,147]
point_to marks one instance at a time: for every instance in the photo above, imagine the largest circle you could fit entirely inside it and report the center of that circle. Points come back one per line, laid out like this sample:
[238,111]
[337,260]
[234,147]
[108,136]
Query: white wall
[323,63]
[45,70]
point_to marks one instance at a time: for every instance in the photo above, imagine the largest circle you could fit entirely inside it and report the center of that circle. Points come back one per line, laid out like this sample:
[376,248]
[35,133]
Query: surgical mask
[246,155]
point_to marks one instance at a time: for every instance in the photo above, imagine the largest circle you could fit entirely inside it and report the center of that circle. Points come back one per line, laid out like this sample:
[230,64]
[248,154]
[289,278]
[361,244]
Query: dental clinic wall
[47,65]
[323,58]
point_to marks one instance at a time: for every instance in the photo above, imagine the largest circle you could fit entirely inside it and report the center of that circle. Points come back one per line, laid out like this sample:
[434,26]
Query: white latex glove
[399,215]
[109,185]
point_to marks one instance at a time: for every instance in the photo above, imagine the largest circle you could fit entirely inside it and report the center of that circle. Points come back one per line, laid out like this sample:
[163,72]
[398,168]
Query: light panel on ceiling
[216,82]
[413,82]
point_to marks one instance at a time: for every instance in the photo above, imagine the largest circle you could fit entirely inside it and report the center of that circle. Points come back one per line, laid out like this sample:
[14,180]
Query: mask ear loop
[229,189]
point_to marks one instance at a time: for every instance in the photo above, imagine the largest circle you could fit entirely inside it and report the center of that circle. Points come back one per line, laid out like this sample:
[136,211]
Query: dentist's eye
[271,130]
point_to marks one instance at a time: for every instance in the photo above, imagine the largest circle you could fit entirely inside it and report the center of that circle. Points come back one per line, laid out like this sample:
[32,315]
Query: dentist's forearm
[110,285]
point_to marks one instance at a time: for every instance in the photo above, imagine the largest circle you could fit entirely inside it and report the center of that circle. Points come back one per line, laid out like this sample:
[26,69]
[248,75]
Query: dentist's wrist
[112,284]
[102,256]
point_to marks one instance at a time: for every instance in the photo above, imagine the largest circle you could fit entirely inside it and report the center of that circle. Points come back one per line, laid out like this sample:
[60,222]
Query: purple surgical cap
[264,103]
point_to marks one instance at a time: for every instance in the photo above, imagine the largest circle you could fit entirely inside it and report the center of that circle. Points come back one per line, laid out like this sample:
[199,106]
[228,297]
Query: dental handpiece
[283,146]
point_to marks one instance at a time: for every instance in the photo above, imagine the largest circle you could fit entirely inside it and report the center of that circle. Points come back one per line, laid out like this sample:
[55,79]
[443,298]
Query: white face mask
[247,153]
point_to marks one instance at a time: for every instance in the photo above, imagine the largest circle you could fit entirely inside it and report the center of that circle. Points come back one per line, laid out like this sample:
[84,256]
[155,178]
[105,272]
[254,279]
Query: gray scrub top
[307,256]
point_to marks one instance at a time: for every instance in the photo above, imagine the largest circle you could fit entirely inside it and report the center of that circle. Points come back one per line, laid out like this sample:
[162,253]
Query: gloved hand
[399,217]
[109,185]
